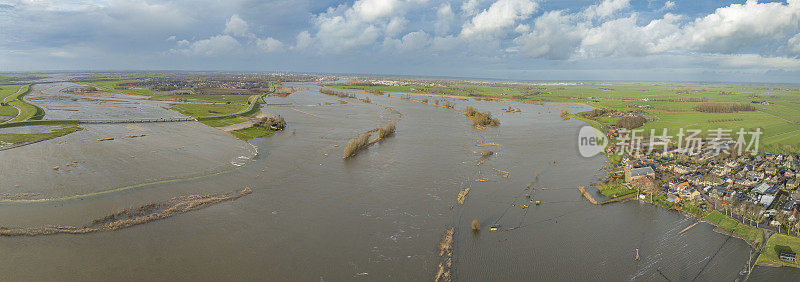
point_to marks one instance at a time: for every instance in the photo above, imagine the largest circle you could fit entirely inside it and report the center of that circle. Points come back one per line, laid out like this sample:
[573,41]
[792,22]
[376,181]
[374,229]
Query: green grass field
[252,132]
[749,233]
[28,111]
[57,130]
[776,243]
[614,189]
[223,121]
[111,86]
[207,110]
[5,91]
[669,104]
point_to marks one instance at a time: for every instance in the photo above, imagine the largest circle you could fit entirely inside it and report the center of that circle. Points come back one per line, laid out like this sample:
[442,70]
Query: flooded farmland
[377,216]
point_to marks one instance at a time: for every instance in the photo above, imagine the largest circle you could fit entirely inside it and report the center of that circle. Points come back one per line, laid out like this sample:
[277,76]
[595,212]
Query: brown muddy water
[379,215]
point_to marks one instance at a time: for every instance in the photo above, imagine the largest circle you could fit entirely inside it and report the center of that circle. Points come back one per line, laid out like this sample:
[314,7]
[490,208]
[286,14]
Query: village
[759,190]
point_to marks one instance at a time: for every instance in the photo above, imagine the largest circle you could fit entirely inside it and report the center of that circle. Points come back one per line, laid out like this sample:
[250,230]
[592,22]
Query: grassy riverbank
[183,95]
[223,121]
[614,188]
[252,132]
[57,130]
[27,111]
[753,235]
[724,223]
[776,244]
[207,110]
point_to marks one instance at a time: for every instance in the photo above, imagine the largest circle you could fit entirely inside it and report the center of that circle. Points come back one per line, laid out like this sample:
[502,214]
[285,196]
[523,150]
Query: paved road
[5,100]
[253,103]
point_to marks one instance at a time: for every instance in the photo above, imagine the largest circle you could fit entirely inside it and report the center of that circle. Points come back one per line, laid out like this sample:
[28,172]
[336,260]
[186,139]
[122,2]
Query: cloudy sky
[644,40]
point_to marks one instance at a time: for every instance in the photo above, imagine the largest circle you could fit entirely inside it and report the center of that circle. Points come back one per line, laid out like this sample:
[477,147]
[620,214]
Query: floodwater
[98,105]
[377,216]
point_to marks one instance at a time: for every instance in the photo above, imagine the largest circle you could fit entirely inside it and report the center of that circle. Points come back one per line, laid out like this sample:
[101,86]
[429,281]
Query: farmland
[666,105]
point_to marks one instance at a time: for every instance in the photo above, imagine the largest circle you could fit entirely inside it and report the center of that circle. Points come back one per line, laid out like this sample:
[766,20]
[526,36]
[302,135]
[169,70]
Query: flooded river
[313,216]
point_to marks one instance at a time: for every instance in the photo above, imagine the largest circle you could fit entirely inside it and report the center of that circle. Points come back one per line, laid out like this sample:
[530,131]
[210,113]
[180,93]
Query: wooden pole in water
[637,254]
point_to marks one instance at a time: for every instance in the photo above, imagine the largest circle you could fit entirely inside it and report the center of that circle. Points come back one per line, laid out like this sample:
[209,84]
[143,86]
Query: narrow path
[765,235]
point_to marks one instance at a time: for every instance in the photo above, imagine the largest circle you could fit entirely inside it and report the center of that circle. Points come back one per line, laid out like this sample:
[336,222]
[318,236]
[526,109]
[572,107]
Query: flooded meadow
[378,215]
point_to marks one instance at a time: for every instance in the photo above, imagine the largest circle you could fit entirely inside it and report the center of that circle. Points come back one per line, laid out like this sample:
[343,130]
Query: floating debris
[445,248]
[462,196]
[106,139]
[487,144]
[135,135]
[502,172]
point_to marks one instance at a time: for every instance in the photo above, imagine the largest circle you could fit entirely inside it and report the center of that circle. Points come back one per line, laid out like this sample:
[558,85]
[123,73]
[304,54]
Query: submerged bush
[274,123]
[356,145]
[476,225]
[485,119]
[384,132]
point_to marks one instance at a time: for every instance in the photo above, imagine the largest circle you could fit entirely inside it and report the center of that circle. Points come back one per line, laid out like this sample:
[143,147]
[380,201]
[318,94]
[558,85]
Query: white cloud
[337,34]
[446,43]
[522,28]
[395,26]
[728,30]
[469,7]
[738,26]
[346,28]
[269,45]
[304,40]
[501,15]
[624,37]
[555,35]
[171,38]
[444,17]
[606,8]
[669,5]
[370,10]
[63,54]
[754,60]
[414,41]
[214,46]
[794,44]
[236,26]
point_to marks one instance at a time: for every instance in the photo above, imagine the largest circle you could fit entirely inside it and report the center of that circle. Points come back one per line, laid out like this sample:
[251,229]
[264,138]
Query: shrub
[470,111]
[484,119]
[476,225]
[595,113]
[356,145]
[384,132]
[274,123]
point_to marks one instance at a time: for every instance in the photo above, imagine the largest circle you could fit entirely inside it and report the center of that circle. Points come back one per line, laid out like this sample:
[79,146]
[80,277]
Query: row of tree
[712,107]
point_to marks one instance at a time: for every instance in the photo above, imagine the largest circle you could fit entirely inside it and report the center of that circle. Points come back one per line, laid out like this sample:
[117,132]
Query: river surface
[313,216]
